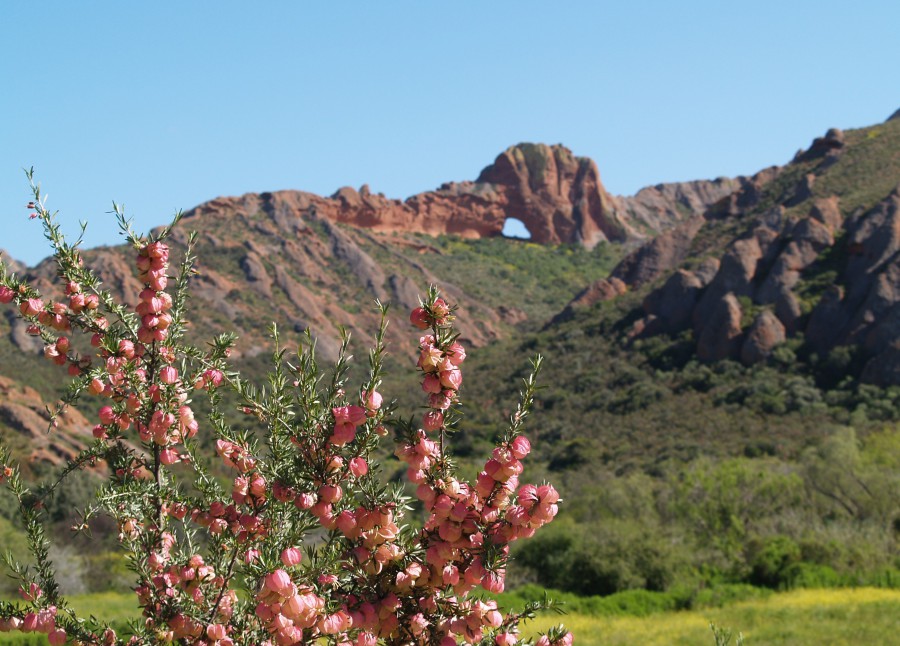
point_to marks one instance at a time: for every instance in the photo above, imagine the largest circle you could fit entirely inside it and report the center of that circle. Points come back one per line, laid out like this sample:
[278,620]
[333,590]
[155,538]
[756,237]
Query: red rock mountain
[559,197]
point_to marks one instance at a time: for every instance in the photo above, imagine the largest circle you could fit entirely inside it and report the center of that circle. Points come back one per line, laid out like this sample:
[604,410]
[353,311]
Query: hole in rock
[515,228]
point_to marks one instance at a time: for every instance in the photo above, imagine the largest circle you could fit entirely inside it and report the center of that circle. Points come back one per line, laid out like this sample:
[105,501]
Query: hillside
[723,355]
[306,261]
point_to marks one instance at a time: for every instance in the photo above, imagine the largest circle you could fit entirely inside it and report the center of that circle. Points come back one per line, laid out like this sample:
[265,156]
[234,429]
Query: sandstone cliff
[558,196]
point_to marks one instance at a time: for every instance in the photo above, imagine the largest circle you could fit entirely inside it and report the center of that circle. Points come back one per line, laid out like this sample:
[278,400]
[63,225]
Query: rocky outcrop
[673,304]
[771,265]
[830,145]
[720,335]
[764,335]
[654,208]
[23,413]
[558,196]
[734,277]
[256,273]
[807,239]
[659,256]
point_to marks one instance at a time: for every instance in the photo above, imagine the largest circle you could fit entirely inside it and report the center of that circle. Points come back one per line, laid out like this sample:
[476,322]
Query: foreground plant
[305,542]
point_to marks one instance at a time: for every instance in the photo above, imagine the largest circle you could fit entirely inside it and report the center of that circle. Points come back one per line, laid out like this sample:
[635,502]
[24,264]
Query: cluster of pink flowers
[58,317]
[156,402]
[152,262]
[370,581]
[41,620]
[189,584]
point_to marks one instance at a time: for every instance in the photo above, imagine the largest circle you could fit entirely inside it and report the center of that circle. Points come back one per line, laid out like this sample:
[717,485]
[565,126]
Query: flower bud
[419,317]
[291,556]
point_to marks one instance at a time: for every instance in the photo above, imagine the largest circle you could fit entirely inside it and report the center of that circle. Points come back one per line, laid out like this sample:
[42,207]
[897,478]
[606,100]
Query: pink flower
[419,317]
[431,384]
[433,420]
[418,624]
[441,400]
[168,375]
[359,467]
[548,494]
[126,348]
[344,433]
[440,309]
[456,353]
[373,402]
[520,447]
[305,500]
[279,582]
[349,414]
[291,556]
[332,624]
[107,415]
[31,306]
[57,637]
[451,379]
[96,386]
[330,493]
[6,294]
[168,456]
[216,631]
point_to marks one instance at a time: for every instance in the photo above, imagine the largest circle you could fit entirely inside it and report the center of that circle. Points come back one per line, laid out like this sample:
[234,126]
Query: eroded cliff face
[559,197]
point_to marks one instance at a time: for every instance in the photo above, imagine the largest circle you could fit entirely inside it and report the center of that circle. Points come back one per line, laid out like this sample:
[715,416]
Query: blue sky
[165,105]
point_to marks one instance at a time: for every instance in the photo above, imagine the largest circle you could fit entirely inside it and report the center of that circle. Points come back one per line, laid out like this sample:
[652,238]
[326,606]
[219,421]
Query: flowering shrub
[305,543]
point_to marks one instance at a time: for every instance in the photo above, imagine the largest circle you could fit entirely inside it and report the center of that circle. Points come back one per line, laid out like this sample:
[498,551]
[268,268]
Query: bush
[771,561]
[303,540]
[600,558]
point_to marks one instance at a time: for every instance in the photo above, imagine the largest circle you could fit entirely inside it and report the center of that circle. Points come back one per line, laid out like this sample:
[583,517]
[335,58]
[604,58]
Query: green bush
[771,561]
[600,558]
[811,575]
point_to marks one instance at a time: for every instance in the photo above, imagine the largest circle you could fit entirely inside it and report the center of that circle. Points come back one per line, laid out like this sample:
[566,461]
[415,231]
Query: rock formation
[23,413]
[779,262]
[559,197]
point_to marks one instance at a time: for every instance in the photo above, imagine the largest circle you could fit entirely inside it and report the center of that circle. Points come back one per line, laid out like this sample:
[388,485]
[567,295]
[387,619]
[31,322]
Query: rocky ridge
[559,198]
[799,261]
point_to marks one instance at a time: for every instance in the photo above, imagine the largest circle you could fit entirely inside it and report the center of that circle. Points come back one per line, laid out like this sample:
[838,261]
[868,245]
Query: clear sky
[165,105]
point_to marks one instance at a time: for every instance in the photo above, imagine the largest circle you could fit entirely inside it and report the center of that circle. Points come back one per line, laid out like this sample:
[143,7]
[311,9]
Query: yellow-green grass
[834,617]
[114,607]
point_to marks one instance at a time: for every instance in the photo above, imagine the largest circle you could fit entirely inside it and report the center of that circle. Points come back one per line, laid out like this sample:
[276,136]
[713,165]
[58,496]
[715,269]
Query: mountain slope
[808,251]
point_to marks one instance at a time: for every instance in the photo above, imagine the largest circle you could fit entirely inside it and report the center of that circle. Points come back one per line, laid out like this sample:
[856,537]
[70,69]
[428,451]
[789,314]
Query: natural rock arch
[515,228]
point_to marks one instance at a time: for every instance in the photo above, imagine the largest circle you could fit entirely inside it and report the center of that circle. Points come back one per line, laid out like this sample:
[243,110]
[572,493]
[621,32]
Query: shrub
[771,561]
[303,541]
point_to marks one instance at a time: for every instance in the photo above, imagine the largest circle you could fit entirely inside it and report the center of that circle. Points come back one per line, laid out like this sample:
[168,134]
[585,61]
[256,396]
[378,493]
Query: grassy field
[805,617]
[837,617]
